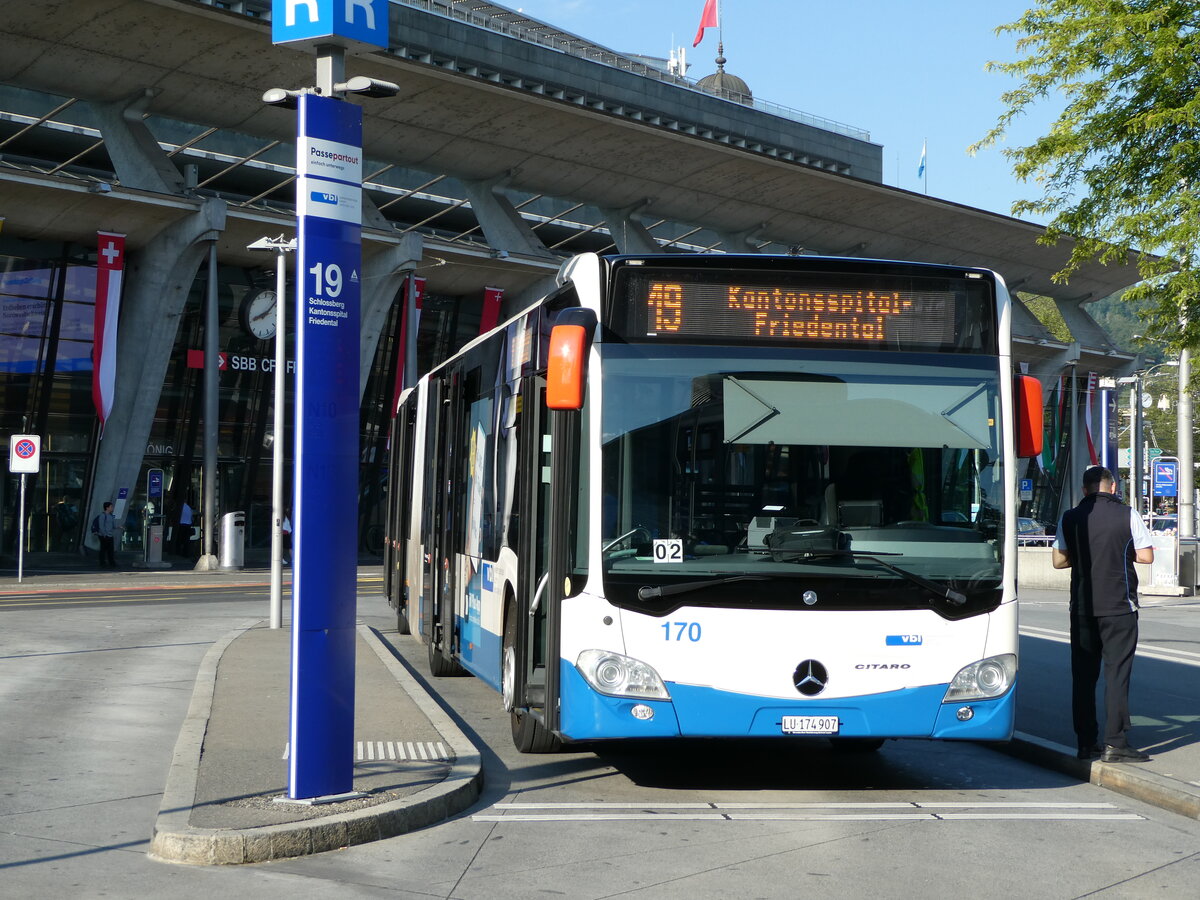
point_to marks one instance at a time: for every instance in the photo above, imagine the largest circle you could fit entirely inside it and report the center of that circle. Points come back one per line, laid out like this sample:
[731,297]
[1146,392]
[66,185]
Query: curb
[175,841]
[1166,793]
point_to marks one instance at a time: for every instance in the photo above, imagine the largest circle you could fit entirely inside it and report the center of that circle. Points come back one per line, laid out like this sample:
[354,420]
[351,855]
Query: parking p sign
[24,453]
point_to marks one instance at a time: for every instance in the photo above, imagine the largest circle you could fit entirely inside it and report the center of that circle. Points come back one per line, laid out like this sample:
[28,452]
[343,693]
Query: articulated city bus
[724,496]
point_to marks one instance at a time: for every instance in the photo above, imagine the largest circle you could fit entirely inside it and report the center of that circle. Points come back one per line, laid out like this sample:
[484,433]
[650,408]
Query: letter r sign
[342,22]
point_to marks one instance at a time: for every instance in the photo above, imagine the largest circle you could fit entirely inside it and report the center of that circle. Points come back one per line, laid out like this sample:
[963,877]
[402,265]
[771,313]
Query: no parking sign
[24,453]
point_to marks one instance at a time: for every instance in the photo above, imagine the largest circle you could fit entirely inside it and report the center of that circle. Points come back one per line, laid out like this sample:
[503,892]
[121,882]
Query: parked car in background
[1168,524]
[1031,532]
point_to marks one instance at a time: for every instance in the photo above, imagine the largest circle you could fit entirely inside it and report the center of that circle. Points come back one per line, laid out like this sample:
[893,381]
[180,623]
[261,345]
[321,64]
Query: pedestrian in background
[104,526]
[183,538]
[1099,541]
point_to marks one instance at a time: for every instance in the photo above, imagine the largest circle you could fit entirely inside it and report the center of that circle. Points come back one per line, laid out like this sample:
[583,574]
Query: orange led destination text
[776,312]
[818,315]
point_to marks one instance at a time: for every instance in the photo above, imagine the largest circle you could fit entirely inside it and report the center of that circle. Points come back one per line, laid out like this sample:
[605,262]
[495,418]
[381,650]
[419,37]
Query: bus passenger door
[535,694]
[440,548]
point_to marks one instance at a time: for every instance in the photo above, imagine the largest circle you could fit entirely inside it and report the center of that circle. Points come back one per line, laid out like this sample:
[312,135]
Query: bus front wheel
[528,734]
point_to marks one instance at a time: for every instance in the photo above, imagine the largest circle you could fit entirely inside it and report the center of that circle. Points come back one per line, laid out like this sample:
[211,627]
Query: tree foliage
[1120,167]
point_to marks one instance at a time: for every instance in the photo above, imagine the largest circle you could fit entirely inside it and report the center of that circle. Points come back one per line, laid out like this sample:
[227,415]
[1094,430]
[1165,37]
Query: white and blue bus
[724,496]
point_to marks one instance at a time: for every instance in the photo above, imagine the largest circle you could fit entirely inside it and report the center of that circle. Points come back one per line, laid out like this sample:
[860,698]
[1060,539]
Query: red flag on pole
[418,289]
[1087,418]
[110,267]
[708,19]
[490,315]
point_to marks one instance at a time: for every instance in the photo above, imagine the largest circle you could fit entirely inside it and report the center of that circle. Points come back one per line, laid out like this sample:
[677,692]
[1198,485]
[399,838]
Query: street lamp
[1187,493]
[281,247]
[1137,403]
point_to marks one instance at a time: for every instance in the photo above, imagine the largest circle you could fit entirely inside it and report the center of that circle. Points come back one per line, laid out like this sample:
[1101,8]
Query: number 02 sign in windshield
[803,309]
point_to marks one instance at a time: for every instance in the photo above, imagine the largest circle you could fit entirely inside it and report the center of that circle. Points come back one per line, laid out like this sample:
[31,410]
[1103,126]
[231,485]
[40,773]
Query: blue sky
[903,70]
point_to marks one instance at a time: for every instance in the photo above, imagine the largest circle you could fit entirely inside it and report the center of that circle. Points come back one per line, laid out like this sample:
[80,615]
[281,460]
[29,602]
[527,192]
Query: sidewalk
[220,805]
[1165,695]
[412,763]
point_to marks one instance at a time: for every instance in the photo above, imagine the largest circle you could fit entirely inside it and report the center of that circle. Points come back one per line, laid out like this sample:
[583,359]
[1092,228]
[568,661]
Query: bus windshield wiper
[950,596]
[646,592]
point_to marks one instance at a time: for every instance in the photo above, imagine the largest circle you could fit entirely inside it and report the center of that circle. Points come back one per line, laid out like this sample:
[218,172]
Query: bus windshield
[834,479]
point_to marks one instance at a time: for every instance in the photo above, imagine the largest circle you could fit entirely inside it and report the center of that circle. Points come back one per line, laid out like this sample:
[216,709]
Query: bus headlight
[983,680]
[620,676]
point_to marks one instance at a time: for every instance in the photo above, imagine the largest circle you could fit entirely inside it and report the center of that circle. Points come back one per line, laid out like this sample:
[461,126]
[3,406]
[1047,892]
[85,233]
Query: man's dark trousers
[1113,640]
[107,556]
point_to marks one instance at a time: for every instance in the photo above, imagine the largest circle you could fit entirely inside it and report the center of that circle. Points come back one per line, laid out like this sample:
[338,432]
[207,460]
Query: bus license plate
[810,724]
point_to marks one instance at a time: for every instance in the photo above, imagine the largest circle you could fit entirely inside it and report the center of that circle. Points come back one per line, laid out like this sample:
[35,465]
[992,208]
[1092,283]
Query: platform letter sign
[329,261]
[341,22]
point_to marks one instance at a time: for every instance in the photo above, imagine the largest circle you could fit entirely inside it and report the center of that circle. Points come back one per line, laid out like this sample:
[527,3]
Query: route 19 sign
[24,453]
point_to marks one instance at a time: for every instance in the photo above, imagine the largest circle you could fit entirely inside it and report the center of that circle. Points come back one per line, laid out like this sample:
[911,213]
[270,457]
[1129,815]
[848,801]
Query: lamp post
[1137,465]
[1186,511]
[1186,519]
[281,247]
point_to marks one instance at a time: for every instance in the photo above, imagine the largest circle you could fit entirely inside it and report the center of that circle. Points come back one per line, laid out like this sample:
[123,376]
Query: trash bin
[233,540]
[152,540]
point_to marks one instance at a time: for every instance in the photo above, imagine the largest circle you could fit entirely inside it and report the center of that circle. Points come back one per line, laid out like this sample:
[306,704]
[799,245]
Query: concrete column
[742,241]
[502,225]
[627,230]
[135,154]
[383,274]
[1084,329]
[158,279]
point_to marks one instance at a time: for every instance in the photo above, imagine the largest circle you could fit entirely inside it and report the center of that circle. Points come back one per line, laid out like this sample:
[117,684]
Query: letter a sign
[342,22]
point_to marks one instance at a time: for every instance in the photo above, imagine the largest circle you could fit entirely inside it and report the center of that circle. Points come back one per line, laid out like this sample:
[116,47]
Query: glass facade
[47,304]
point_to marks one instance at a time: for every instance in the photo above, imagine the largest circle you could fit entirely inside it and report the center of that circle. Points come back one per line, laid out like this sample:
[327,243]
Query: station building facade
[190,194]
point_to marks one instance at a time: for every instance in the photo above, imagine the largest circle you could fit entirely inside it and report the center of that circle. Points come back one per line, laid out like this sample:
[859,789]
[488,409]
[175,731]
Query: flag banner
[110,269]
[708,19]
[402,340]
[1087,418]
[921,165]
[490,316]
[1053,430]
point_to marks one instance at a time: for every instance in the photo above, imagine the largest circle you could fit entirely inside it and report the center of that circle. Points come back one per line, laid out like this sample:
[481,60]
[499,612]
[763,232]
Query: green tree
[1119,168]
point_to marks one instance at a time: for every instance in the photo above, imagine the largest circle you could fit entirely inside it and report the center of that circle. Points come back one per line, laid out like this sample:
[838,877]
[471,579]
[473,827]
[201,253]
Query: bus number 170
[690,629]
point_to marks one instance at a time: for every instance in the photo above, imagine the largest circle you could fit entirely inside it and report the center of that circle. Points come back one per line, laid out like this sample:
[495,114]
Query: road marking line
[884,811]
[1150,651]
[847,804]
[372,751]
[781,816]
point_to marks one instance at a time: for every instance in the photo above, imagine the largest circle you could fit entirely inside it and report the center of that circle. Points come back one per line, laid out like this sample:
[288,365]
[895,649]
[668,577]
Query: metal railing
[514,24]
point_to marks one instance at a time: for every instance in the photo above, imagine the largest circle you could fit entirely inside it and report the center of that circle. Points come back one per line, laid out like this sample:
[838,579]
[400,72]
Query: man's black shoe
[1089,751]
[1123,754]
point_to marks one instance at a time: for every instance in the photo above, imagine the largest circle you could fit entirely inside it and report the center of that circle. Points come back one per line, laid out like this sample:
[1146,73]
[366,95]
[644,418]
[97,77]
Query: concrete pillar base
[207,564]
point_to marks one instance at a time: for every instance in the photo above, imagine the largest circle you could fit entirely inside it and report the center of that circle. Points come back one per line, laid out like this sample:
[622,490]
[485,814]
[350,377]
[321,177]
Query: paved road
[1165,691]
[95,688]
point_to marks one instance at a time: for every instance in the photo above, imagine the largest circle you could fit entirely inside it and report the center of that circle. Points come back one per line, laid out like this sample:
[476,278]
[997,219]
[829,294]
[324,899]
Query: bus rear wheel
[439,666]
[402,624]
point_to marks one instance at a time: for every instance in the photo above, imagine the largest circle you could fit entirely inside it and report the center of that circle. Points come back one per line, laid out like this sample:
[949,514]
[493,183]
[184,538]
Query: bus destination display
[820,314]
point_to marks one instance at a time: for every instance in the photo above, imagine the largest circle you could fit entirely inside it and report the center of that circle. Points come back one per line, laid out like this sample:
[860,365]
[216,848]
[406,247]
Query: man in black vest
[1099,541]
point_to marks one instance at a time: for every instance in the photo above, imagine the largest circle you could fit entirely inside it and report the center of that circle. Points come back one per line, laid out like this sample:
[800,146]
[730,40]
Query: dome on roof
[723,82]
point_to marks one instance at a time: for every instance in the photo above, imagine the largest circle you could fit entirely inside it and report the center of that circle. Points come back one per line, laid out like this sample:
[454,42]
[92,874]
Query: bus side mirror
[566,368]
[1027,406]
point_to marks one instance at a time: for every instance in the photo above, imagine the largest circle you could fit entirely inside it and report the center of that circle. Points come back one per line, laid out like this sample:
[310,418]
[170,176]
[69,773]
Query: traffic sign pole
[24,456]
[21,536]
